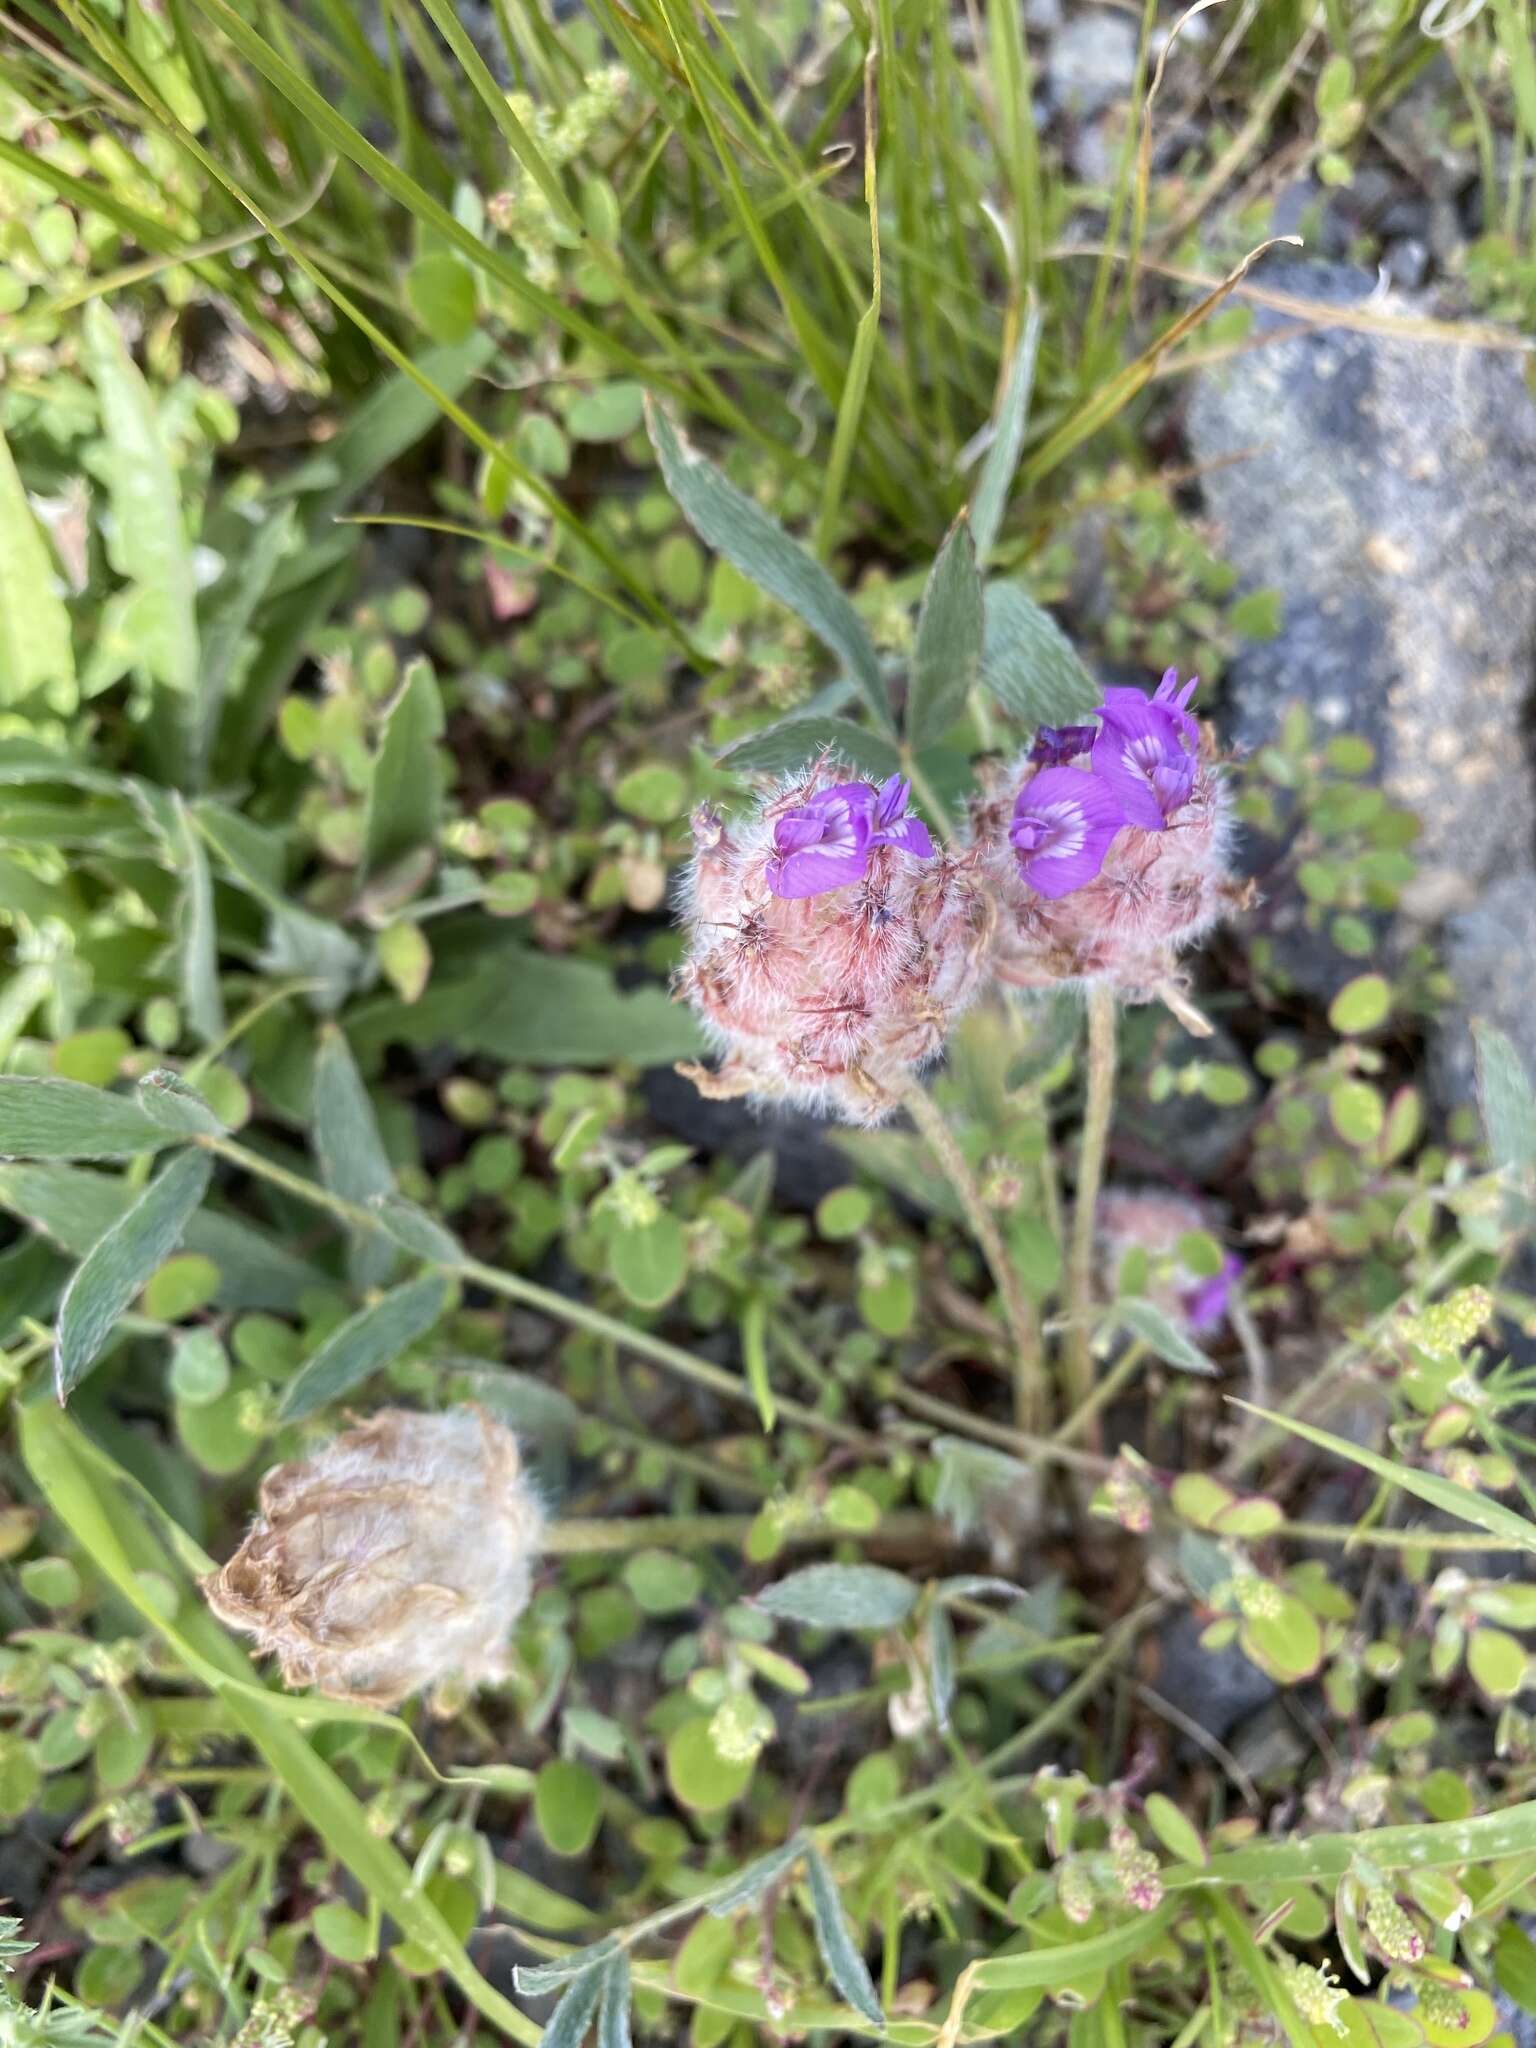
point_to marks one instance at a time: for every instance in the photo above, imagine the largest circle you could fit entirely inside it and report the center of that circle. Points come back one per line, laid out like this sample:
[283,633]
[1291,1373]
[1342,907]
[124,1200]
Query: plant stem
[1078,1376]
[560,1307]
[1348,1533]
[932,802]
[1123,1370]
[581,1537]
[1043,1449]
[1029,1387]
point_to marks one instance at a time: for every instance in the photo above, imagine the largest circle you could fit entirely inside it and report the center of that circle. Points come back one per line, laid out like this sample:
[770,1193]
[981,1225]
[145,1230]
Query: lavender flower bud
[397,1557]
[830,947]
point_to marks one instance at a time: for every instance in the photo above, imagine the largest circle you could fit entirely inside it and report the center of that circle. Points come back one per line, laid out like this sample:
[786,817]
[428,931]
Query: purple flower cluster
[1141,770]
[826,842]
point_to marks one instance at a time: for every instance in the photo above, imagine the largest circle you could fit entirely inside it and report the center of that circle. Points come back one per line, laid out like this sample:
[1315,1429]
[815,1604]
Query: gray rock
[1490,951]
[1388,488]
[1216,1688]
[1092,61]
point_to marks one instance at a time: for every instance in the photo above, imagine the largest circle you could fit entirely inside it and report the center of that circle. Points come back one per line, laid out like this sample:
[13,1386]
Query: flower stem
[1078,1376]
[931,801]
[1029,1388]
[1088,1411]
[559,1307]
[583,1537]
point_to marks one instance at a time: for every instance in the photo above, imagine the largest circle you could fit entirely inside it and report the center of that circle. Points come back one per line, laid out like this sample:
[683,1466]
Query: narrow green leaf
[570,2019]
[149,545]
[729,522]
[941,1663]
[175,1106]
[200,992]
[1507,1099]
[997,472]
[404,793]
[754,1353]
[949,637]
[36,651]
[117,1266]
[415,1231]
[535,1979]
[1029,664]
[781,749]
[1069,1962]
[68,1120]
[234,604]
[845,1966]
[1444,1494]
[613,2029]
[749,1883]
[1148,1322]
[841,1596]
[350,1152]
[364,1345]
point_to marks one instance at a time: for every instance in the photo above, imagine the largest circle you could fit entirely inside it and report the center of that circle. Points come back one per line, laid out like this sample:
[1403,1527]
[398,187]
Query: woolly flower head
[1153,1220]
[1106,846]
[395,1558]
[831,945]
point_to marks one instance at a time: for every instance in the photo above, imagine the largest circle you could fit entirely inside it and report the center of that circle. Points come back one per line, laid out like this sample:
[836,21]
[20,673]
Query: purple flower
[1063,822]
[825,843]
[1056,745]
[1145,750]
[1205,1306]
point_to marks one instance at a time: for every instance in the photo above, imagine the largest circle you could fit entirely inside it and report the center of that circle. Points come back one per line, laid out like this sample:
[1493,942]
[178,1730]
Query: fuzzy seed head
[1390,1927]
[396,1558]
[833,1000]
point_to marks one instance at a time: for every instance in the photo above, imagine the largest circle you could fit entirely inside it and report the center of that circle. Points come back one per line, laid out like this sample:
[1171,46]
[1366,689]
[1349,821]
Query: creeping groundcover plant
[710,1331]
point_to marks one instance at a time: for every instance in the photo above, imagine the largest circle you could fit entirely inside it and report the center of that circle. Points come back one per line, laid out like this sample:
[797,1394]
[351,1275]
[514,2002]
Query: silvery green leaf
[750,1882]
[1147,1321]
[845,1966]
[997,472]
[571,2018]
[534,1979]
[176,1106]
[781,749]
[968,1473]
[1507,1100]
[403,795]
[201,995]
[414,1230]
[1028,663]
[736,527]
[350,1152]
[364,1345]
[941,1663]
[118,1265]
[841,1596]
[613,2015]
[947,656]
[68,1120]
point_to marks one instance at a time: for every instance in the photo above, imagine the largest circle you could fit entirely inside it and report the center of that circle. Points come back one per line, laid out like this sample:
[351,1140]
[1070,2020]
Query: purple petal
[1177,702]
[1063,824]
[796,830]
[910,836]
[1205,1306]
[1142,756]
[892,799]
[816,869]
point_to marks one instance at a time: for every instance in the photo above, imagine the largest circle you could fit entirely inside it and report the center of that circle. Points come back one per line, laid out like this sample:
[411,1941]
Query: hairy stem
[583,1537]
[1029,1388]
[1078,1376]
[1085,1416]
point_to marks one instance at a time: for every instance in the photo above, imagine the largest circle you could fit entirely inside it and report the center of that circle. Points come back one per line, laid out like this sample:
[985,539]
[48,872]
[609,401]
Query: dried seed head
[396,1558]
[830,947]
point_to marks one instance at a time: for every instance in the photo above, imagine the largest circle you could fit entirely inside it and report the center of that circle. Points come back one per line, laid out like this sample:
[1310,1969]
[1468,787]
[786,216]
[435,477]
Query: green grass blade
[36,648]
[850,407]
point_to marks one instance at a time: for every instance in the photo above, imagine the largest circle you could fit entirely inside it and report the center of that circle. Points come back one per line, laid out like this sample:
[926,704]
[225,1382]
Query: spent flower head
[396,1558]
